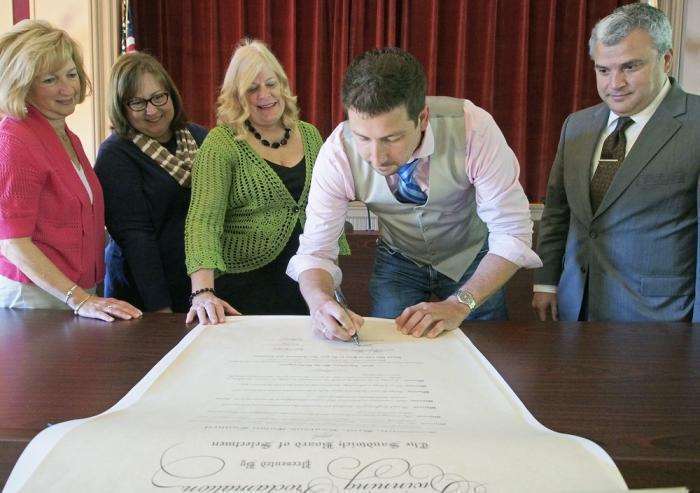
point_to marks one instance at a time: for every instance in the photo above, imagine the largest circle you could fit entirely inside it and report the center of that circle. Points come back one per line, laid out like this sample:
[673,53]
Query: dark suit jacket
[145,212]
[639,251]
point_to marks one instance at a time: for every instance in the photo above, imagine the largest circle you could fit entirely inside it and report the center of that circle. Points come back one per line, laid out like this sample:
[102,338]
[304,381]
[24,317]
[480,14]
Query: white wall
[690,48]
[5,15]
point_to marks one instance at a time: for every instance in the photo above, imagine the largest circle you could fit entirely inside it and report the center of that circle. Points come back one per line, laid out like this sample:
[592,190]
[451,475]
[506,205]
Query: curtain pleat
[312,47]
[339,30]
[541,136]
[525,61]
[511,108]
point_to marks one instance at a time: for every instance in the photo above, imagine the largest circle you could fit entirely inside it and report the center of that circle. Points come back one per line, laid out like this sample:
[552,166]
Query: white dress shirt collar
[645,115]
[427,145]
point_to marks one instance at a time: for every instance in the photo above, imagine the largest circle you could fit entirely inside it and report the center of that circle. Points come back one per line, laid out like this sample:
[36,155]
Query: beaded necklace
[274,145]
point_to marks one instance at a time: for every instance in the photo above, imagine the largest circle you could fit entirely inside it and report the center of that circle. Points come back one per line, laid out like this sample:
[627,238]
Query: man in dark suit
[619,232]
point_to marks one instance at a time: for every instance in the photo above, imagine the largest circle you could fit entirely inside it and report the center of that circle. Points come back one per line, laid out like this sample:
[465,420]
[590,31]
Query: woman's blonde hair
[124,79]
[251,56]
[31,48]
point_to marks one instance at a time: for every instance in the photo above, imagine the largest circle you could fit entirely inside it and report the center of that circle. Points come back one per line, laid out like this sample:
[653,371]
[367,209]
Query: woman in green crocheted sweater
[250,185]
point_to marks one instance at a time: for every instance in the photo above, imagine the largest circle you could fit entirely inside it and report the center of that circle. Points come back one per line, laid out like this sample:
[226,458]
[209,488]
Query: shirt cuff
[514,250]
[195,264]
[301,263]
[544,288]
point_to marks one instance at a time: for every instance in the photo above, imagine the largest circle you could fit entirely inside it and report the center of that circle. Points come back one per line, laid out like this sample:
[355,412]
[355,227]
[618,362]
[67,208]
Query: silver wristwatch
[466,298]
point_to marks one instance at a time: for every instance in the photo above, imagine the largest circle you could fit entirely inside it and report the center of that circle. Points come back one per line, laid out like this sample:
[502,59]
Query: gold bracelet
[80,305]
[70,292]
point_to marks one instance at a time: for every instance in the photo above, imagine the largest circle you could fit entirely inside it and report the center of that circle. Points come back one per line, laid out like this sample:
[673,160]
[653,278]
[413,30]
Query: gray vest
[446,232]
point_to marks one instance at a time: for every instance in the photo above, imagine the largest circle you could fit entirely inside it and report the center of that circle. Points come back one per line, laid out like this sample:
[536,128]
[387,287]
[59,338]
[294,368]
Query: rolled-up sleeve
[500,200]
[331,190]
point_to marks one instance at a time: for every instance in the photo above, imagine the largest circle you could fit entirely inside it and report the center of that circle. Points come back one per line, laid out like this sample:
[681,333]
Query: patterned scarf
[178,166]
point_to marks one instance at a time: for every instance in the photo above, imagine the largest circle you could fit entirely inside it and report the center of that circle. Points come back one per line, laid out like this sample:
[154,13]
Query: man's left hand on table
[430,319]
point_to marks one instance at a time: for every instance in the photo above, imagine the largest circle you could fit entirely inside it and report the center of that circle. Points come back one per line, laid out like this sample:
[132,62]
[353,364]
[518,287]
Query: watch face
[466,298]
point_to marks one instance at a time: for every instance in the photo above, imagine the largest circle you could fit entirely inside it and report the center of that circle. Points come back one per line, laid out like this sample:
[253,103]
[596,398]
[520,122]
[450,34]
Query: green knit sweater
[241,215]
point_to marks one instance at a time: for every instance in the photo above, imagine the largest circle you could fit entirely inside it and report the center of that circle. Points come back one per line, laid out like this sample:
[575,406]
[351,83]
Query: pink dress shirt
[42,197]
[492,169]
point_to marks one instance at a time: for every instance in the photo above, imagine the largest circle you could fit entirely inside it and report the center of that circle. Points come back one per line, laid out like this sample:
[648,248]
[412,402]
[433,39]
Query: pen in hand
[341,301]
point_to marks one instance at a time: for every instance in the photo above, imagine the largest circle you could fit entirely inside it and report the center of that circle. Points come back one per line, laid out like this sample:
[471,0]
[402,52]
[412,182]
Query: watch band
[466,298]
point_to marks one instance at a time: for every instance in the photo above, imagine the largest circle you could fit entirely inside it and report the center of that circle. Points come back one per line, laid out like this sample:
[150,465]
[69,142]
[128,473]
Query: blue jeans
[398,282]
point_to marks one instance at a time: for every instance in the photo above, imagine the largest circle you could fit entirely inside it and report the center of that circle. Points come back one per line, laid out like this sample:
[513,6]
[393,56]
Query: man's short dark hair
[382,79]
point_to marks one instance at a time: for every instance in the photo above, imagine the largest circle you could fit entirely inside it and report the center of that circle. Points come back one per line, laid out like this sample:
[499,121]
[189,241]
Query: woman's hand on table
[209,309]
[107,309]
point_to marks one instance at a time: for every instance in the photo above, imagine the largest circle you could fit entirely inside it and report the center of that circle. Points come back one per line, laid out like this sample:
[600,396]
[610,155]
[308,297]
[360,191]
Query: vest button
[295,209]
[593,235]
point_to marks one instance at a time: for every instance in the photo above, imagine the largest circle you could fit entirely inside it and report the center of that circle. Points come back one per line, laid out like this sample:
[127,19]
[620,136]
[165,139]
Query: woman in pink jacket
[51,206]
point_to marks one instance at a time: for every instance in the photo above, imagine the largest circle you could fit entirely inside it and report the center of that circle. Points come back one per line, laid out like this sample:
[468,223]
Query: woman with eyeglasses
[144,168]
[52,211]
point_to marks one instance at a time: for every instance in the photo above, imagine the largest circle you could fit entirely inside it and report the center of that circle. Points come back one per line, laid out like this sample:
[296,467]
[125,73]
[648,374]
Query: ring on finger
[108,308]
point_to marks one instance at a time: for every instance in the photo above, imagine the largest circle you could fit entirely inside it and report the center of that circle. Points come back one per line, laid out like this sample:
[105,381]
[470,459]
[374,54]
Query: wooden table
[632,388]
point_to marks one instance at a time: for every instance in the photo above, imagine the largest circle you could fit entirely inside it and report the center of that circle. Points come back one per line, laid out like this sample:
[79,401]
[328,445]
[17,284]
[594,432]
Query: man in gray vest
[438,173]
[619,232]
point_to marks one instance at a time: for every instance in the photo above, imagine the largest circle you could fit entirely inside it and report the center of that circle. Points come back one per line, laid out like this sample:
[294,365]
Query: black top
[145,210]
[293,178]
[269,290]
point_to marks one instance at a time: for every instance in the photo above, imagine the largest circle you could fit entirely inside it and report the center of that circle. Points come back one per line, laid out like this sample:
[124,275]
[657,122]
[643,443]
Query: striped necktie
[407,190]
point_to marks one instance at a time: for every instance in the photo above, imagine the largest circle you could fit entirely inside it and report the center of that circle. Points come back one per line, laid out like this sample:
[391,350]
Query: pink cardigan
[42,197]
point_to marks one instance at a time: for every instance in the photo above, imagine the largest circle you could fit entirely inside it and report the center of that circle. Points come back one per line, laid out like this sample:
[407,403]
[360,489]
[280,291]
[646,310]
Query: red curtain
[524,61]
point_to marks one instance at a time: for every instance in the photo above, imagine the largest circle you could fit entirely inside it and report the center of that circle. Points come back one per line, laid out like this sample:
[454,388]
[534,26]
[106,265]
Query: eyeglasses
[158,99]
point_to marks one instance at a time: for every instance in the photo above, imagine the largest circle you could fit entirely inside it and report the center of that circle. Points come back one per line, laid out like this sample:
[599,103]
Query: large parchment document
[262,404]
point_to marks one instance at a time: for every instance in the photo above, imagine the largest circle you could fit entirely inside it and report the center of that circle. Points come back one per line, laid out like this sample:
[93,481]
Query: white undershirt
[81,174]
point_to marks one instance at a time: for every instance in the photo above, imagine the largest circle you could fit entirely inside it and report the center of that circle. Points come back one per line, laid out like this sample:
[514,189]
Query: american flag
[128,33]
